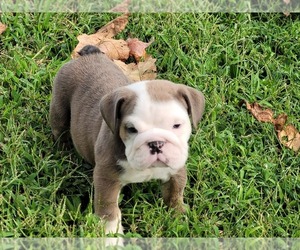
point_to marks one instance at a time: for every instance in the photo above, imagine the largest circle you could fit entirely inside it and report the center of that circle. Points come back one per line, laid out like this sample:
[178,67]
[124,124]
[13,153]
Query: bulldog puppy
[130,132]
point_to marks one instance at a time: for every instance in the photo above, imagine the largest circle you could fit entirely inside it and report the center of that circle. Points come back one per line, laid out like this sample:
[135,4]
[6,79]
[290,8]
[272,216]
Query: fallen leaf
[114,49]
[114,27]
[122,7]
[139,71]
[147,68]
[130,70]
[137,48]
[3,27]
[262,115]
[108,31]
[287,1]
[287,134]
[119,51]
[280,121]
[290,137]
[84,40]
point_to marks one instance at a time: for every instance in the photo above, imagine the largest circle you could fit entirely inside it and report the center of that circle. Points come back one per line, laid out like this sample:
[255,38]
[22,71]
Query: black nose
[155,146]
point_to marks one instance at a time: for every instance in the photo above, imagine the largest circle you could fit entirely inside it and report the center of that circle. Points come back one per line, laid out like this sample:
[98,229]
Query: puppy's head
[152,119]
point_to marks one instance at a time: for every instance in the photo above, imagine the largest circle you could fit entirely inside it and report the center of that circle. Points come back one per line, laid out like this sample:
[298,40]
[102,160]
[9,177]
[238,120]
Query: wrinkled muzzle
[157,148]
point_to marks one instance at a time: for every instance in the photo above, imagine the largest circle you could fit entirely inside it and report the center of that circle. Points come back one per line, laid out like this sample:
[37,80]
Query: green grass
[241,181]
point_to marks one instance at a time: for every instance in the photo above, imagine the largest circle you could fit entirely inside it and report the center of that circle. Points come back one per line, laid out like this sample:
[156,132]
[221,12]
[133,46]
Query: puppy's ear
[194,101]
[115,105]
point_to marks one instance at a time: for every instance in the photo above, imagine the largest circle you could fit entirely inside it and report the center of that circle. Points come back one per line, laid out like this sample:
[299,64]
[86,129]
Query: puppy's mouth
[159,150]
[162,158]
[160,162]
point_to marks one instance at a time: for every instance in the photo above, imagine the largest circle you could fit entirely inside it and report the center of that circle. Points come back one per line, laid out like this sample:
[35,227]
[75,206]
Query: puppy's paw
[178,206]
[111,228]
[114,242]
[114,227]
[181,208]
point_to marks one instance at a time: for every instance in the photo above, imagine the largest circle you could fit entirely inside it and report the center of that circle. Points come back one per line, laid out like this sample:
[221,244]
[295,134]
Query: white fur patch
[114,226]
[114,242]
[132,175]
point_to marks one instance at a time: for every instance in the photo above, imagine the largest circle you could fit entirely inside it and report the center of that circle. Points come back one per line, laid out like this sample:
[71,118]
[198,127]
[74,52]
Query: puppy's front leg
[172,190]
[106,202]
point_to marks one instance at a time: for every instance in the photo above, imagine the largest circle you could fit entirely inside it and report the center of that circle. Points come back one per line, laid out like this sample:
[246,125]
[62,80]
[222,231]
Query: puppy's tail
[88,50]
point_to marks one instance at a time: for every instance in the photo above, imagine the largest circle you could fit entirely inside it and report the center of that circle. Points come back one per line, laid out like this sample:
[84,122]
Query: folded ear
[194,101]
[114,105]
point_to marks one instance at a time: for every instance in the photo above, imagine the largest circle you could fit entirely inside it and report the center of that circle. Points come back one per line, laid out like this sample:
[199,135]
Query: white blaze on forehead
[138,87]
[143,99]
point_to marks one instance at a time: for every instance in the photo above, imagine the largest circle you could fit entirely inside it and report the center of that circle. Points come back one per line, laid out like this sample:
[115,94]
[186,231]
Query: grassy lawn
[241,181]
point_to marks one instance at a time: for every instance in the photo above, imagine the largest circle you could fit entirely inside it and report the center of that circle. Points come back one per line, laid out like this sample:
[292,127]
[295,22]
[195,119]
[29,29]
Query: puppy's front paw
[180,207]
[114,242]
[114,227]
[183,208]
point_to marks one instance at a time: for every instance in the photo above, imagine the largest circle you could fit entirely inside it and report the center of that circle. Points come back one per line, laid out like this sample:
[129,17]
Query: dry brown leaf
[130,70]
[147,68]
[137,72]
[122,7]
[287,134]
[3,27]
[137,48]
[280,121]
[119,50]
[106,32]
[84,40]
[114,49]
[290,137]
[262,115]
[114,27]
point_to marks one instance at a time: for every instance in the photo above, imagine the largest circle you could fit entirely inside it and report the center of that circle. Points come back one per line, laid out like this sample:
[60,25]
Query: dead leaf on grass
[114,49]
[290,137]
[262,115]
[119,51]
[279,122]
[137,48]
[145,70]
[3,27]
[108,31]
[114,27]
[287,134]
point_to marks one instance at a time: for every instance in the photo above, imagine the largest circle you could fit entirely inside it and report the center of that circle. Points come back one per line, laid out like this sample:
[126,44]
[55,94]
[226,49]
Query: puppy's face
[156,134]
[152,120]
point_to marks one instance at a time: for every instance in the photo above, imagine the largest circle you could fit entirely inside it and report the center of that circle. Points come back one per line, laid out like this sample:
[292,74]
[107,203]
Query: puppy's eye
[131,130]
[176,126]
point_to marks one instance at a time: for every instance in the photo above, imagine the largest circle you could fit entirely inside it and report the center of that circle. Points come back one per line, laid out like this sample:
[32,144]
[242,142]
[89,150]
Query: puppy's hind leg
[60,119]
